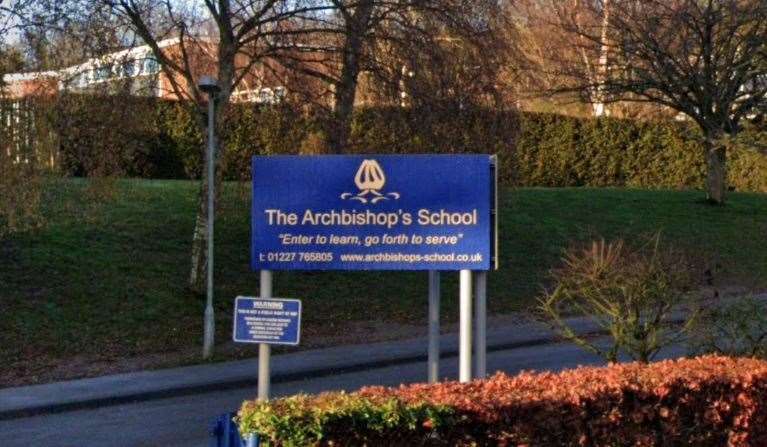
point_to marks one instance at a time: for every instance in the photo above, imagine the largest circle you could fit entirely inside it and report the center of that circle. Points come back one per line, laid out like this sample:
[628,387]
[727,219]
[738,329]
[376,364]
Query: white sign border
[234,321]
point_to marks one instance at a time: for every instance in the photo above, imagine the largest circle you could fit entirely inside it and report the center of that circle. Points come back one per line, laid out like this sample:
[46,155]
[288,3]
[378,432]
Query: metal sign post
[464,344]
[264,350]
[210,86]
[480,340]
[434,298]
[266,321]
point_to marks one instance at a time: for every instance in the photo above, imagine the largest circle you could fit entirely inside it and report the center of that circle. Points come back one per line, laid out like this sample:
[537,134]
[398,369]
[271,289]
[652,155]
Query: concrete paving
[174,407]
[145,385]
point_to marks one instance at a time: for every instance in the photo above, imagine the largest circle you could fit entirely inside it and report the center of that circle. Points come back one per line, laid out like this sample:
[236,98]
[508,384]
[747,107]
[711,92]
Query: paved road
[183,421]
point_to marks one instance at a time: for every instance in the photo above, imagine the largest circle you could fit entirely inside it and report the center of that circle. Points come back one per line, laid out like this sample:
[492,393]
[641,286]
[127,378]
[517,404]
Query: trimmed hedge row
[146,138]
[707,401]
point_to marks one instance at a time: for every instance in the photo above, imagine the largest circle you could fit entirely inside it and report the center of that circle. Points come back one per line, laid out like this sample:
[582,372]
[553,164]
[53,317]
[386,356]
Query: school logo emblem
[370,180]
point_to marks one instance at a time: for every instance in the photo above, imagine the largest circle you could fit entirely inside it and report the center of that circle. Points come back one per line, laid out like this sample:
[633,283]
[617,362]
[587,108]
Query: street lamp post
[210,86]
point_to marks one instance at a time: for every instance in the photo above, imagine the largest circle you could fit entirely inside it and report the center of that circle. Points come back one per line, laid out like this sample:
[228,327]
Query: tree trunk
[199,258]
[716,164]
[599,106]
[199,242]
[346,87]
[343,109]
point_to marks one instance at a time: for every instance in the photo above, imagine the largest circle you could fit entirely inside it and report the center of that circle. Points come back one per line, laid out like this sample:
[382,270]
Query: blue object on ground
[224,433]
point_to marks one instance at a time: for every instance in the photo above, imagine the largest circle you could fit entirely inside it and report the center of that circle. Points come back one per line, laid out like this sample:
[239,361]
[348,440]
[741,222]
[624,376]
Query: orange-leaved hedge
[706,401]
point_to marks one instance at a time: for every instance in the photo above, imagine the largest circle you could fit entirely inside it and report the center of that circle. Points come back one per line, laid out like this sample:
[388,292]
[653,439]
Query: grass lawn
[107,282]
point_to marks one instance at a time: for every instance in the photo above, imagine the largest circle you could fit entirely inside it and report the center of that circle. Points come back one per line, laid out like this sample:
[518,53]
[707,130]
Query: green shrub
[104,135]
[664,155]
[148,138]
[747,170]
[178,129]
[304,420]
[259,131]
[546,151]
[708,401]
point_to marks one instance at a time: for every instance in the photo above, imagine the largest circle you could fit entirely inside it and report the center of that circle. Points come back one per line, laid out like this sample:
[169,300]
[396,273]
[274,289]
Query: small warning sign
[275,321]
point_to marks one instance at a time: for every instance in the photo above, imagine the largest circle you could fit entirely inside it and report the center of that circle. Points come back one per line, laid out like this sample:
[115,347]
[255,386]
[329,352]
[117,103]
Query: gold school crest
[370,180]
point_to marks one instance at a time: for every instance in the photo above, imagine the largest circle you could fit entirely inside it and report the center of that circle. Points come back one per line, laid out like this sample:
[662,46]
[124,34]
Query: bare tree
[336,49]
[12,20]
[450,54]
[545,45]
[604,58]
[382,40]
[243,33]
[706,59]
[357,22]
[582,15]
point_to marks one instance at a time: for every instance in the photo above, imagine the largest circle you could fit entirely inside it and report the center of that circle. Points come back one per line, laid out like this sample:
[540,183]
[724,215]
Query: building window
[280,93]
[151,66]
[266,96]
[81,80]
[103,73]
[129,69]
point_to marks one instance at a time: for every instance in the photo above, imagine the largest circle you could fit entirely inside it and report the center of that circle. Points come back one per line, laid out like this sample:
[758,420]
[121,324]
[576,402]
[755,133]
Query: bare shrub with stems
[736,328]
[631,294]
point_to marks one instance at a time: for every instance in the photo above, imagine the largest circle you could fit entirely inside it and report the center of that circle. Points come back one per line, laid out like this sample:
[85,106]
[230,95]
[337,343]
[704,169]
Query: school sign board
[274,321]
[374,212]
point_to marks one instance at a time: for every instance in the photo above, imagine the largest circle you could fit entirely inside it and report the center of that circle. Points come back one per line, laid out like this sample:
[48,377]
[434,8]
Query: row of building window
[261,96]
[126,69]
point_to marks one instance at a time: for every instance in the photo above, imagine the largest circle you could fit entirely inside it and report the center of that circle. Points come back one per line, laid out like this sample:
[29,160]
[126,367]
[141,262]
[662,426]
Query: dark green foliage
[176,125]
[141,137]
[562,151]
[105,135]
[252,130]
[401,131]
[306,420]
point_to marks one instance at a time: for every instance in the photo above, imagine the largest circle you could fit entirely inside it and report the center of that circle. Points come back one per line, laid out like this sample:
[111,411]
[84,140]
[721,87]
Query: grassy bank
[108,281]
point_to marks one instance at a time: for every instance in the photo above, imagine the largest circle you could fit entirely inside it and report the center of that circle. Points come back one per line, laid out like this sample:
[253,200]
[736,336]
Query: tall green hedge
[555,150]
[147,138]
[561,151]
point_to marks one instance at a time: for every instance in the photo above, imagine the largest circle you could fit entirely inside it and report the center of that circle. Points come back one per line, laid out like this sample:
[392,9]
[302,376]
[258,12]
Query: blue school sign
[373,212]
[273,321]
